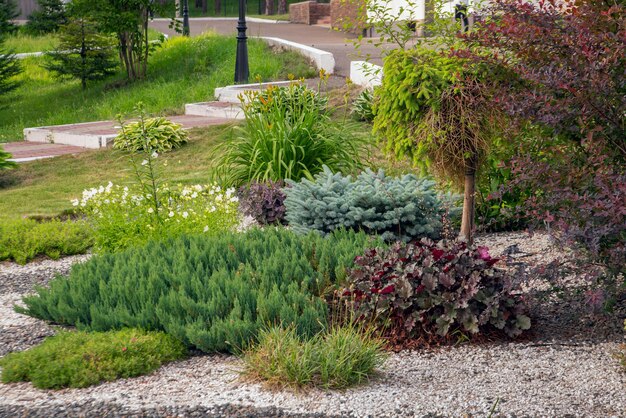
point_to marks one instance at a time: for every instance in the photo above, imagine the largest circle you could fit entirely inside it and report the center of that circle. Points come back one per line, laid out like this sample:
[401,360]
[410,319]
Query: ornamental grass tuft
[342,357]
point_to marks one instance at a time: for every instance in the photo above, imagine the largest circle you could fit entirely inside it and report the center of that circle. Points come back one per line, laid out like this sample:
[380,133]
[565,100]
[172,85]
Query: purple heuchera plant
[264,202]
[418,288]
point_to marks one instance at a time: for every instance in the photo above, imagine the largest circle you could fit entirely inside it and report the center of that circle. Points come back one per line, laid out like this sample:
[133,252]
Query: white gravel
[567,368]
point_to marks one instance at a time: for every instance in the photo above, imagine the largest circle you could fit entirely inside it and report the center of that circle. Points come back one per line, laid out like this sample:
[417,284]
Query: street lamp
[242,72]
[186,18]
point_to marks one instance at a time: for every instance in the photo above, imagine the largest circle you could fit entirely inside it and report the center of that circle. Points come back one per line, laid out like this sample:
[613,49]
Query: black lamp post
[242,72]
[186,18]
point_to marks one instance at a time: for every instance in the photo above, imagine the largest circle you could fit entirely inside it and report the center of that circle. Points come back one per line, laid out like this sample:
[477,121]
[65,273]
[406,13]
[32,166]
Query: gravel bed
[565,368]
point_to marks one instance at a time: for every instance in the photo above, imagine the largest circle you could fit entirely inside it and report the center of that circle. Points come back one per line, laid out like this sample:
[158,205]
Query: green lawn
[184,70]
[22,43]
[45,187]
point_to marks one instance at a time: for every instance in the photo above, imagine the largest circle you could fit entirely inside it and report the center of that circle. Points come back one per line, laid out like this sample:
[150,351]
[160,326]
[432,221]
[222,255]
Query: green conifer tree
[83,52]
[8,12]
[50,16]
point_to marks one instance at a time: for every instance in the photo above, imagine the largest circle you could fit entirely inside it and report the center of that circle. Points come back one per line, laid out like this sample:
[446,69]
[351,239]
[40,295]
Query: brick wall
[348,15]
[308,12]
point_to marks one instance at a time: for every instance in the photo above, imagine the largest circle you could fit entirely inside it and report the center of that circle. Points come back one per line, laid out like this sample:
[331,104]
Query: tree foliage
[48,18]
[436,109]
[84,53]
[8,12]
[128,20]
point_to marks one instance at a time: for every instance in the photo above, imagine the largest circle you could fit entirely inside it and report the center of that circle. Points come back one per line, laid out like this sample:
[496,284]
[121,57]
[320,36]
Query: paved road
[340,44]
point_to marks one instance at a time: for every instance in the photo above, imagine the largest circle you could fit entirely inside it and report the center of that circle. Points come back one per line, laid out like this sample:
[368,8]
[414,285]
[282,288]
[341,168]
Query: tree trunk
[218,7]
[205,8]
[269,7]
[282,7]
[467,219]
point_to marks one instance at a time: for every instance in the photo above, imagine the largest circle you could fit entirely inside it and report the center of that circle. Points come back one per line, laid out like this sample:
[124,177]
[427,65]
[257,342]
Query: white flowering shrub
[124,217]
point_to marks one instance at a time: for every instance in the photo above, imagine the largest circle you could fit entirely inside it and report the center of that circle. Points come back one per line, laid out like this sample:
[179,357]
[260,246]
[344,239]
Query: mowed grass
[45,187]
[23,43]
[183,70]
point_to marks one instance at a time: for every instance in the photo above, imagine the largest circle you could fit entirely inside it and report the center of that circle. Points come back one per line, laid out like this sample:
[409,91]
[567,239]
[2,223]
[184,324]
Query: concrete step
[95,135]
[225,110]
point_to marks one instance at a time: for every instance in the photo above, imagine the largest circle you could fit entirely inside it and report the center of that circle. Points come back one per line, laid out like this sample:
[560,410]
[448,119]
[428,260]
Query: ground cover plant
[81,359]
[22,240]
[183,70]
[415,291]
[288,134]
[213,293]
[404,208]
[334,359]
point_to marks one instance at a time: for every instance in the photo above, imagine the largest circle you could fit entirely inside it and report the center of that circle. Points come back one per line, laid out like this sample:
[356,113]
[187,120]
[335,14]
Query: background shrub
[395,208]
[8,12]
[123,216]
[413,291]
[80,359]
[265,202]
[336,359]
[286,139]
[212,293]
[151,134]
[22,240]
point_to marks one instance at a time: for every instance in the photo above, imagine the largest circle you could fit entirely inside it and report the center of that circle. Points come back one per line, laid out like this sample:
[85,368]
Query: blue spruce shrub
[404,208]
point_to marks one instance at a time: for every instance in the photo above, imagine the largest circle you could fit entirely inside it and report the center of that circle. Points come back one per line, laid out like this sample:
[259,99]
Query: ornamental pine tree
[50,16]
[9,67]
[8,12]
[83,52]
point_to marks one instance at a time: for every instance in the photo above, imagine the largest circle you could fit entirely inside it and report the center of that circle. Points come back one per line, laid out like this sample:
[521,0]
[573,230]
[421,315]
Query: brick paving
[26,151]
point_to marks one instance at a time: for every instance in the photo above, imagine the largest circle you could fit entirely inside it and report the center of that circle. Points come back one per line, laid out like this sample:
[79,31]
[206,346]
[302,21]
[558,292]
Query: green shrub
[80,359]
[363,106]
[153,134]
[338,359]
[22,240]
[4,163]
[395,208]
[213,293]
[426,289]
[286,139]
[123,216]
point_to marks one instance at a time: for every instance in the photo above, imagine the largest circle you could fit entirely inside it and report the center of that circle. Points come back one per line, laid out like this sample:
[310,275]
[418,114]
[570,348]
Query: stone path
[29,151]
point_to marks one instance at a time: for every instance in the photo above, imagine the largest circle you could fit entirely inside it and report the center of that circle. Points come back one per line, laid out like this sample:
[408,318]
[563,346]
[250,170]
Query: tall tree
[83,52]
